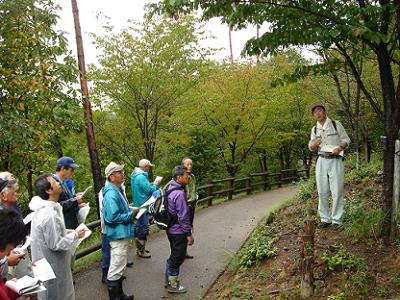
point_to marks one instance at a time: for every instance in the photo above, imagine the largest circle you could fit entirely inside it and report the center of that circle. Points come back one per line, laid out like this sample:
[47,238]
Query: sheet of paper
[88,232]
[158,179]
[42,270]
[28,218]
[85,191]
[141,212]
[39,289]
[83,213]
[151,200]
[21,283]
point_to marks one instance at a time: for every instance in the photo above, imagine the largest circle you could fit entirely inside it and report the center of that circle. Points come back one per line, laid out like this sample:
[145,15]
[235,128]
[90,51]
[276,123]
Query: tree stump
[307,260]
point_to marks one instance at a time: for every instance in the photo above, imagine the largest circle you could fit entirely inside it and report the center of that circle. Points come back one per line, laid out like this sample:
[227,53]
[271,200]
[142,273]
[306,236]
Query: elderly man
[16,266]
[69,200]
[190,192]
[50,238]
[330,139]
[142,190]
[179,234]
[118,218]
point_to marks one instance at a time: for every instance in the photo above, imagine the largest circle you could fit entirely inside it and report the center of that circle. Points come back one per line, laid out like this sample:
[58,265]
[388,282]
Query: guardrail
[227,187]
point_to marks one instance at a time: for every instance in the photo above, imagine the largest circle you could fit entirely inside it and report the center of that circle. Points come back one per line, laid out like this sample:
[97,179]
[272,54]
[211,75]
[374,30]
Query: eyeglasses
[120,172]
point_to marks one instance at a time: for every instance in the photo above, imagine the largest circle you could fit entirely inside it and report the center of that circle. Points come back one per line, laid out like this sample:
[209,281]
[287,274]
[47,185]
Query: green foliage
[260,246]
[37,103]
[396,280]
[363,218]
[338,257]
[339,296]
[143,72]
[308,189]
[365,172]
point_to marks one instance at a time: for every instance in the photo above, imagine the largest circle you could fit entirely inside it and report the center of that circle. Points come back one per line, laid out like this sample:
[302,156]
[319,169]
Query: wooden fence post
[231,186]
[210,192]
[248,185]
[265,180]
[280,179]
[307,260]
[396,191]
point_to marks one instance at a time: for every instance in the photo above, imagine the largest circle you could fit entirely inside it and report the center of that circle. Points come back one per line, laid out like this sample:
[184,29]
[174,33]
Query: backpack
[159,209]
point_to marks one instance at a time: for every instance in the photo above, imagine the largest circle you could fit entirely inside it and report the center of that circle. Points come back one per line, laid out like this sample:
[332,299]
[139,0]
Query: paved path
[219,232]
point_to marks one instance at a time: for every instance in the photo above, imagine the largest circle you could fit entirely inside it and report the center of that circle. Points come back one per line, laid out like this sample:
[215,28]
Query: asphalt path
[219,232]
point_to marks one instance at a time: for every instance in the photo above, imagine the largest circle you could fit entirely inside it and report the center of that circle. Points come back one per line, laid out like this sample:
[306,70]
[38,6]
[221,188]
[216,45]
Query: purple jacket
[177,206]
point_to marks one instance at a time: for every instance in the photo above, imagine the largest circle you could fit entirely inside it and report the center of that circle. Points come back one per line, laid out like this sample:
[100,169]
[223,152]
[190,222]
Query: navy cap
[67,161]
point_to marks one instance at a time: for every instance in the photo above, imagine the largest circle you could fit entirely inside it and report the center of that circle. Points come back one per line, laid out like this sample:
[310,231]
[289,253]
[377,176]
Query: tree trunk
[94,158]
[391,129]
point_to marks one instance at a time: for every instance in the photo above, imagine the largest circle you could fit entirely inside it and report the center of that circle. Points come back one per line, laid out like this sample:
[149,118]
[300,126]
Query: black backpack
[159,209]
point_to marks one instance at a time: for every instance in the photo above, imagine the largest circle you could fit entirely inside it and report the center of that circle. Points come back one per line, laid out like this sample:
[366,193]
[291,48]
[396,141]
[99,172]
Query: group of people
[55,236]
[53,231]
[120,224]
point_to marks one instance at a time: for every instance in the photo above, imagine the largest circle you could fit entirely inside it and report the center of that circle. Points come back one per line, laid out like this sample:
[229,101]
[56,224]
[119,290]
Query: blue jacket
[117,214]
[177,206]
[141,187]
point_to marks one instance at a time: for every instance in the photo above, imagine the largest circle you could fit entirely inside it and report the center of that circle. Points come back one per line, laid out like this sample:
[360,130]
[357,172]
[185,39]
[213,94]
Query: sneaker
[324,224]
[337,226]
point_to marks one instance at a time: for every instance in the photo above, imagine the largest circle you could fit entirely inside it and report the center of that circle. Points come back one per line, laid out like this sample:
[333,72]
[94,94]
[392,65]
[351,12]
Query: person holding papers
[330,139]
[142,190]
[118,218]
[50,238]
[69,199]
[12,233]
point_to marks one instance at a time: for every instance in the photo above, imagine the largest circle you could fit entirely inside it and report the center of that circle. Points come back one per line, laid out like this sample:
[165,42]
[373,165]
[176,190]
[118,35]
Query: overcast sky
[121,10]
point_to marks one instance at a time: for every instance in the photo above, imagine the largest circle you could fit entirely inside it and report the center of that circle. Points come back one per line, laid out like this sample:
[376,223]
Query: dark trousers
[105,252]
[178,245]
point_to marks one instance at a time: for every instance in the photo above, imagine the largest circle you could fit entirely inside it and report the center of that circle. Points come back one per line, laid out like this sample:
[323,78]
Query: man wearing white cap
[142,190]
[118,218]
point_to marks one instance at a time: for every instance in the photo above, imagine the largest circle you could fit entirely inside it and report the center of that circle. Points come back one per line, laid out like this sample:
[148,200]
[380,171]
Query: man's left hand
[337,150]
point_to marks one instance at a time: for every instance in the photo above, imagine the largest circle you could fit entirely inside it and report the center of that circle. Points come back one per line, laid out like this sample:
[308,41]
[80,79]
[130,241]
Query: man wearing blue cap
[69,200]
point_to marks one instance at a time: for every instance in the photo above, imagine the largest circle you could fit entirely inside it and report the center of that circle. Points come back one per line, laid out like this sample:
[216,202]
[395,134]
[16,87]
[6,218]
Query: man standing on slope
[330,139]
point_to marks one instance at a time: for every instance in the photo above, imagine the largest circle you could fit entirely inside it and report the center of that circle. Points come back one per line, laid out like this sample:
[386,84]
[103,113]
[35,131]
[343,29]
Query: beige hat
[145,162]
[113,167]
[315,105]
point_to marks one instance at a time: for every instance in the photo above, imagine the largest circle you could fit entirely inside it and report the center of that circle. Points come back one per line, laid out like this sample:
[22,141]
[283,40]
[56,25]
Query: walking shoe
[129,264]
[337,226]
[324,224]
[143,254]
[174,286]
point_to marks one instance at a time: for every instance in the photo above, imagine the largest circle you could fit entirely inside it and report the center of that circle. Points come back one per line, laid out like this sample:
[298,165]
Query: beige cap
[145,162]
[113,167]
[315,105]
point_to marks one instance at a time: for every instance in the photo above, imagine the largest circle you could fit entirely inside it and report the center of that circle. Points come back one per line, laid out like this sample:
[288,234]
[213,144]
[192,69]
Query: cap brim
[11,182]
[74,166]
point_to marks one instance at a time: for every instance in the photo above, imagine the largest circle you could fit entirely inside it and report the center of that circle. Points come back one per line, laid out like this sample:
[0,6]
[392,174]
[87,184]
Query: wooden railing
[227,187]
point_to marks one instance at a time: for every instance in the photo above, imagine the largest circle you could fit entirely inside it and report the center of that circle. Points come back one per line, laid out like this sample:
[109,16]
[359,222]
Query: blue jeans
[142,227]
[105,251]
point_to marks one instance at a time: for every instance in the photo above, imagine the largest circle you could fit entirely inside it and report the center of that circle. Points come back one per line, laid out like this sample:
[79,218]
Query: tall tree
[37,104]
[328,24]
[143,70]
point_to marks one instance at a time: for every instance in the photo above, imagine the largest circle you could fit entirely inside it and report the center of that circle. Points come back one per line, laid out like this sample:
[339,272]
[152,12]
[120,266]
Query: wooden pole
[94,158]
[307,260]
[396,192]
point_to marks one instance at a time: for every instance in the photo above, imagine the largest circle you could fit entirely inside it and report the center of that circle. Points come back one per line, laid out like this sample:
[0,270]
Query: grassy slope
[350,262]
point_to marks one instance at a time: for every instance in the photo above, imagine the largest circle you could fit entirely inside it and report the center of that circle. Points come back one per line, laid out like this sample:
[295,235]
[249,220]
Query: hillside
[350,262]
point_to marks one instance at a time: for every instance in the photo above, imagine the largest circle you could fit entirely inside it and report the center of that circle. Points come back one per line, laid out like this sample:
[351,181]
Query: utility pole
[94,157]
[230,43]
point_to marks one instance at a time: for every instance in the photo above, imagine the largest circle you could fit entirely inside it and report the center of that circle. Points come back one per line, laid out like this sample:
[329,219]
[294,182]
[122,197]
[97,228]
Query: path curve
[219,232]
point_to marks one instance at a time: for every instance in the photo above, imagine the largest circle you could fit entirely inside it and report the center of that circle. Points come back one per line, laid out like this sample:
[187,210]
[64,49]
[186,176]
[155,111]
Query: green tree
[341,25]
[143,70]
[37,106]
[229,103]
